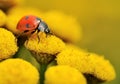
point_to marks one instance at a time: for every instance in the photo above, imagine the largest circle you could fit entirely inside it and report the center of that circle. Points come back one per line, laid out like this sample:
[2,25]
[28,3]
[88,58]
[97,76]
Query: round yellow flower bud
[2,18]
[74,57]
[18,71]
[15,14]
[64,26]
[49,44]
[44,46]
[8,44]
[101,68]
[63,75]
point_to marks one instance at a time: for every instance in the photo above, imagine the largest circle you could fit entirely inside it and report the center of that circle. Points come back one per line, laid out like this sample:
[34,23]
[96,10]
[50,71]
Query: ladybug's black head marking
[43,27]
[47,30]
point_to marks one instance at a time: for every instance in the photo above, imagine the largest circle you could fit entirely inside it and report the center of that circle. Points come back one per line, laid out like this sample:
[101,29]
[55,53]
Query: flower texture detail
[101,68]
[8,44]
[18,71]
[74,57]
[64,26]
[49,44]
[2,18]
[44,48]
[63,75]
[87,63]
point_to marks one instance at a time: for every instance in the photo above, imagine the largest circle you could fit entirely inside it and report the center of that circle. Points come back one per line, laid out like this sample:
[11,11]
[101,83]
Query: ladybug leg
[37,31]
[48,34]
[38,36]
[33,32]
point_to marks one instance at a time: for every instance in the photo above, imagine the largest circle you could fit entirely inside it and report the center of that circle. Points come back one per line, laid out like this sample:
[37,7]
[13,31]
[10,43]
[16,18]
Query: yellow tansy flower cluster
[44,47]
[8,44]
[63,75]
[18,71]
[101,68]
[74,57]
[87,63]
[49,44]
[72,65]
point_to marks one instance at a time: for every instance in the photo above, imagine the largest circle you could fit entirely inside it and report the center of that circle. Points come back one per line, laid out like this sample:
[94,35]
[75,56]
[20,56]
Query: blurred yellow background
[100,20]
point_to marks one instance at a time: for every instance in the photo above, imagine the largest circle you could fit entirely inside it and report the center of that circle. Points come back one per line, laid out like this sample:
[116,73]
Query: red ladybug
[32,23]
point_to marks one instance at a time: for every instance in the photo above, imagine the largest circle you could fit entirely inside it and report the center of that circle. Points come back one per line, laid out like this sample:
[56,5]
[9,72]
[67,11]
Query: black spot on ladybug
[27,25]
[26,17]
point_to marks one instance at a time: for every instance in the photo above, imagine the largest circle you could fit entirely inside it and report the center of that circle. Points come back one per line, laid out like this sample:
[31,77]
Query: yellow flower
[63,75]
[64,26]
[101,68]
[49,44]
[2,18]
[74,57]
[87,63]
[8,44]
[18,71]
[15,14]
[46,46]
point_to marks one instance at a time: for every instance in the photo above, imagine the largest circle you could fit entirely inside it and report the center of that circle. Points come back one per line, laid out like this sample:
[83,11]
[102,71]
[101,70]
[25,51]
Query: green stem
[43,68]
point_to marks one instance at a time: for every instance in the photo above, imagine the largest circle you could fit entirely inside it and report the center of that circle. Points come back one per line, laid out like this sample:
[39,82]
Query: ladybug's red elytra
[32,23]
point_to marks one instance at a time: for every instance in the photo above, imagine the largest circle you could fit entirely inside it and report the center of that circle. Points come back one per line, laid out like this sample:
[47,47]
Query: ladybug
[31,24]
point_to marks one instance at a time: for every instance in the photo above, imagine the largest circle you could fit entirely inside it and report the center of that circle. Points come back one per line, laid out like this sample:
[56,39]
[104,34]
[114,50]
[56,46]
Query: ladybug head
[43,27]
